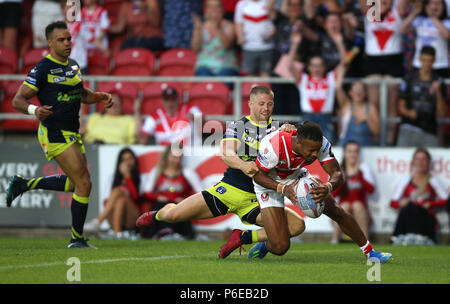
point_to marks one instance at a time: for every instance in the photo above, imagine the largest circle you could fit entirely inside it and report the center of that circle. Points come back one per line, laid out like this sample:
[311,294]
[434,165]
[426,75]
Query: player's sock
[79,209]
[54,182]
[367,248]
[156,217]
[249,236]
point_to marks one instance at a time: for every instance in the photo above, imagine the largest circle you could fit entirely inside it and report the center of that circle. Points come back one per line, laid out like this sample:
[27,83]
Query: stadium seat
[32,57]
[134,61]
[24,125]
[246,88]
[177,62]
[128,92]
[152,95]
[8,61]
[98,64]
[212,98]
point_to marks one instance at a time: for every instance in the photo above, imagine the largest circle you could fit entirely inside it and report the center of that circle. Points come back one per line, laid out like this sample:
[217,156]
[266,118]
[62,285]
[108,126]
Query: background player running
[235,192]
[57,82]
[282,157]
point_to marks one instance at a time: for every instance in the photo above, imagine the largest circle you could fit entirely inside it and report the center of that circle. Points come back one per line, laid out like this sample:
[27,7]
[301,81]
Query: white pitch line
[13,267]
[166,257]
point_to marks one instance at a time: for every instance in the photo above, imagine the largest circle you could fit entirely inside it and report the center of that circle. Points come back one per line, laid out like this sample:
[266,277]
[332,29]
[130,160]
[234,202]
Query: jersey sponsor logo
[59,79]
[31,80]
[221,190]
[55,71]
[262,160]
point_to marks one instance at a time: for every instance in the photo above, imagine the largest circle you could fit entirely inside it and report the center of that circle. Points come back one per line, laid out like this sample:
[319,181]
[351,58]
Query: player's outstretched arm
[21,104]
[90,97]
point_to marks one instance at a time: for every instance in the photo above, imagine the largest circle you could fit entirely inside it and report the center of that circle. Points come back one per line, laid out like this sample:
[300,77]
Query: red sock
[366,248]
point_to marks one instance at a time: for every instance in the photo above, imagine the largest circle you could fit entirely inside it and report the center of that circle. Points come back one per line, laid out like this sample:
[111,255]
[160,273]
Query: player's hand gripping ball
[308,206]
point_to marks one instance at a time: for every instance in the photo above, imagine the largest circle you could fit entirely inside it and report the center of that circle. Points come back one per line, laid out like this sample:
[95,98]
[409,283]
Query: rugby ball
[308,206]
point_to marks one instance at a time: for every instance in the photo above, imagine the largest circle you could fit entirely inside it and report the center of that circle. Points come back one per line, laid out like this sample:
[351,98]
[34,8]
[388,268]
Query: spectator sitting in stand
[10,16]
[359,120]
[422,99]
[170,182]
[255,32]
[142,20]
[213,40]
[95,19]
[352,196]
[111,127]
[416,196]
[432,28]
[171,123]
[121,208]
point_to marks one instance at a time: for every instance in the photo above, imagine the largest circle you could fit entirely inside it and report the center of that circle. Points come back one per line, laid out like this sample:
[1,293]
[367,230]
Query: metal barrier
[237,94]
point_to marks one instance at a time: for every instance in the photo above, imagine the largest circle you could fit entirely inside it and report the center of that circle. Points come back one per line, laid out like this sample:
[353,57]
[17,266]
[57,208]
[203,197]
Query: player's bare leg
[193,207]
[345,220]
[296,225]
[74,164]
[276,227]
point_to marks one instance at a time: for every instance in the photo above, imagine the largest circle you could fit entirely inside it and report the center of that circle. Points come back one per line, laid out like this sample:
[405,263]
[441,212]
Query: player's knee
[280,248]
[84,185]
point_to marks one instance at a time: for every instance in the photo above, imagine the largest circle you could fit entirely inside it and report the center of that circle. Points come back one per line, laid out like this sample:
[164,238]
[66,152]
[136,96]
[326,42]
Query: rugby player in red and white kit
[281,159]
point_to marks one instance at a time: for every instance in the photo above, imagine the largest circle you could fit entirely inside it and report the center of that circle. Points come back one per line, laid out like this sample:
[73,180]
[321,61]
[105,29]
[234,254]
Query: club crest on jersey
[221,190]
[264,196]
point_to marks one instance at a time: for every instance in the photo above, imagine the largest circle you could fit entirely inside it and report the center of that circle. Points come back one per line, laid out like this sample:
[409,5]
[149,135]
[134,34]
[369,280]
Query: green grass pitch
[43,260]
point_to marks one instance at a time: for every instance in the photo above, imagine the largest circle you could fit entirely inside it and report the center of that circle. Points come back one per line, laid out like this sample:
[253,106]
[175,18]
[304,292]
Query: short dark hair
[309,130]
[428,50]
[52,26]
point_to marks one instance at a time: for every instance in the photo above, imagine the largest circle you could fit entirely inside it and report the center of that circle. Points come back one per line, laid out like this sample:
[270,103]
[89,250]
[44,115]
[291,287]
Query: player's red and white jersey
[96,21]
[167,129]
[276,156]
[317,95]
[383,37]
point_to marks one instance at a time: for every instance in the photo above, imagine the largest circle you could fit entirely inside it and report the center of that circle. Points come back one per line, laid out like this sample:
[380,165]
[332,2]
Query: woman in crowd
[170,182]
[122,207]
[415,197]
[359,183]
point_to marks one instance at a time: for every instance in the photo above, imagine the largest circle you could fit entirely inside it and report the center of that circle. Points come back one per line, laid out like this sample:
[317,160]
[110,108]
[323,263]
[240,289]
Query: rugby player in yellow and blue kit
[235,192]
[58,84]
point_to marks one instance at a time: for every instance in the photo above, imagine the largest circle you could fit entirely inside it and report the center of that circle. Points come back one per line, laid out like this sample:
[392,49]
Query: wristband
[32,109]
[282,188]
[330,187]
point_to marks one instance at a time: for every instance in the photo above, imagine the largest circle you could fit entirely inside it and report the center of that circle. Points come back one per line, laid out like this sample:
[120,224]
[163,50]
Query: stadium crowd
[318,43]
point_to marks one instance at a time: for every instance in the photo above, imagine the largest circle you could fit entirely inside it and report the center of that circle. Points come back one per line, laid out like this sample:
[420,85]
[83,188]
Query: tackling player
[57,82]
[235,192]
[281,158]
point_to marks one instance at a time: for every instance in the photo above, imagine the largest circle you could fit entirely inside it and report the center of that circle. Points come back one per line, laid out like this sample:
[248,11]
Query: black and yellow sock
[54,182]
[79,209]
[249,236]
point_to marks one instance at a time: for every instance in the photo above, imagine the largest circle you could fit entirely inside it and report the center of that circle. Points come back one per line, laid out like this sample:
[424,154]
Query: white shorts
[271,198]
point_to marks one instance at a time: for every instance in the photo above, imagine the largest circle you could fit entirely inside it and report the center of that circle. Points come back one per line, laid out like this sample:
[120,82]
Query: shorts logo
[221,190]
[264,196]
[72,138]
